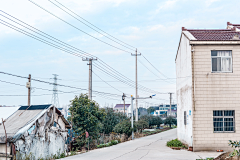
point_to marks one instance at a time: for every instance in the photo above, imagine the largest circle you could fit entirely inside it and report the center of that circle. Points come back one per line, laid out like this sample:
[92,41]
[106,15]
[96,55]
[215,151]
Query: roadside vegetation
[175,143]
[87,118]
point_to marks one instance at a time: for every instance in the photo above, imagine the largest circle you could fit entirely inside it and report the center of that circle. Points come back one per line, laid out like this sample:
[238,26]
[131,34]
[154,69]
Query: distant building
[173,112]
[38,129]
[163,109]
[120,108]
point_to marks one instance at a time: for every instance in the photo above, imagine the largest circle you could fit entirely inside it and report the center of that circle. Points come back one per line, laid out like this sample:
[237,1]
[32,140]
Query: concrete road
[147,148]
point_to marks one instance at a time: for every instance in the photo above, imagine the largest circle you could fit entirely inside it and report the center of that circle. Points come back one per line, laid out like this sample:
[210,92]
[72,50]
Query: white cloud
[166,5]
[209,2]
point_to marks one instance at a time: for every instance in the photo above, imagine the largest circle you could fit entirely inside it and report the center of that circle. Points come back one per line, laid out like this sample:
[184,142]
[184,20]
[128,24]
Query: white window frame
[221,61]
[223,122]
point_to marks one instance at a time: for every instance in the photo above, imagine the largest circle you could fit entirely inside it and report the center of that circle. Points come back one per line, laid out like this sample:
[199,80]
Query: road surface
[146,148]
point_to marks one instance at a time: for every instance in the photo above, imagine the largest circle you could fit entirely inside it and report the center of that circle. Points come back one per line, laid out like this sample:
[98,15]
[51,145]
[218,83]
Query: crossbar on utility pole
[132,98]
[90,76]
[136,85]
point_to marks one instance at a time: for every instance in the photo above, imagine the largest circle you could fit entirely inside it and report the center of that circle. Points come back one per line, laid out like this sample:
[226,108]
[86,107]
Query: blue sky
[154,27]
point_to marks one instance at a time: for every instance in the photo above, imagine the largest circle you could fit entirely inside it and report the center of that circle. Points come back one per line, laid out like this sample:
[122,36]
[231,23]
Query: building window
[185,117]
[224,121]
[221,61]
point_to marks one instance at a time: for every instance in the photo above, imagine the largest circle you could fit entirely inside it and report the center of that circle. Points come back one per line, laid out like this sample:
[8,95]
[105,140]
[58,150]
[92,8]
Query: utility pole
[170,104]
[123,98]
[90,76]
[55,99]
[28,85]
[132,98]
[136,85]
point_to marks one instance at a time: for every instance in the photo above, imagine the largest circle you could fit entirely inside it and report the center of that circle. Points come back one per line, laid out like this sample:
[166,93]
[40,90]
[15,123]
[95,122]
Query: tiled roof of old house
[232,33]
[214,35]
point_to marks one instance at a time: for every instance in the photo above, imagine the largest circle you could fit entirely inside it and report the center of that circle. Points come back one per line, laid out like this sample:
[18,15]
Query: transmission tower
[55,99]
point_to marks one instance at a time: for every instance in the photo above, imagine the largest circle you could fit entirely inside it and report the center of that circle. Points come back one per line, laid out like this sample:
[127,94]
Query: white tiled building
[208,94]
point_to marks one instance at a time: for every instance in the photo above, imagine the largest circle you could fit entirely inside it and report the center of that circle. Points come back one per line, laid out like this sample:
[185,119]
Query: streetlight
[132,98]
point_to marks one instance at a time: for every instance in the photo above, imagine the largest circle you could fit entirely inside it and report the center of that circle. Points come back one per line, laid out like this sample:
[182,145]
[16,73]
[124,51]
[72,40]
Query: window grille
[224,121]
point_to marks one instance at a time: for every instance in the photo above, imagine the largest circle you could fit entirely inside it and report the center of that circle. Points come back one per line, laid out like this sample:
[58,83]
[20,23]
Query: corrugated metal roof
[20,119]
[5,112]
[35,107]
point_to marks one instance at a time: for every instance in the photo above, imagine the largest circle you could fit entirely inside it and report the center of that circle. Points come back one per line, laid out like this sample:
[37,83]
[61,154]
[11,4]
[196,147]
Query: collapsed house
[40,130]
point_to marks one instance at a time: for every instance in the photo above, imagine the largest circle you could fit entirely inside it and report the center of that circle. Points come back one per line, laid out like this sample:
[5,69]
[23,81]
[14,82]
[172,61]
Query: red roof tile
[213,34]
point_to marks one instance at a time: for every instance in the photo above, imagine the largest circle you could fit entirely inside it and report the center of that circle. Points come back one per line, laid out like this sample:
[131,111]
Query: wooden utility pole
[90,76]
[136,86]
[29,89]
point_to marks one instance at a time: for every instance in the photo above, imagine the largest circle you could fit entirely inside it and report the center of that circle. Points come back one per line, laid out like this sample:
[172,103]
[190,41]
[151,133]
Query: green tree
[150,110]
[124,127]
[141,124]
[86,116]
[112,119]
[152,120]
[170,121]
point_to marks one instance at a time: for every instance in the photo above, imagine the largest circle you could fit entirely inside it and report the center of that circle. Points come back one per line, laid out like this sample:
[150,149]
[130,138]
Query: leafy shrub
[114,142]
[72,153]
[124,127]
[174,143]
[234,144]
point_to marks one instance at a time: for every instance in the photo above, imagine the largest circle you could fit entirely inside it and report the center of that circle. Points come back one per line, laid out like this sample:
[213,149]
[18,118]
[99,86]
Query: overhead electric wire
[154,66]
[150,70]
[78,28]
[59,47]
[57,84]
[107,83]
[93,25]
[90,27]
[56,46]
[98,29]
[62,92]
[87,24]
[45,34]
[131,85]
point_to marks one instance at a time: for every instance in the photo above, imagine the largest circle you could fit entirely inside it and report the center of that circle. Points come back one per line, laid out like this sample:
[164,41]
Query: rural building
[163,110]
[120,108]
[39,129]
[208,95]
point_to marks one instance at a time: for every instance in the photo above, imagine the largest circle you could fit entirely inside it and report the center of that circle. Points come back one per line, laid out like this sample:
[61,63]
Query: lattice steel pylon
[55,99]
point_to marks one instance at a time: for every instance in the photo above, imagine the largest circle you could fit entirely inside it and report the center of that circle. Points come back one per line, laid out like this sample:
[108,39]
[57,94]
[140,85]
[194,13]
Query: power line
[150,70]
[65,50]
[107,83]
[154,66]
[90,24]
[56,84]
[78,28]
[59,47]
